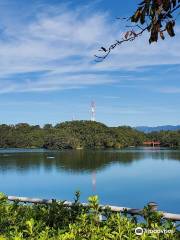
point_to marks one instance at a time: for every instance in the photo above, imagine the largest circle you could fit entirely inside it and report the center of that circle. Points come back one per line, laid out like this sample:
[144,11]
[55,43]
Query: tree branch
[132,37]
[156,24]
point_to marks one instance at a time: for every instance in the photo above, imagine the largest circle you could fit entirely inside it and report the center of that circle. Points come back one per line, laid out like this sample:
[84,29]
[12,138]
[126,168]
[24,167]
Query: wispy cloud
[61,43]
[169,90]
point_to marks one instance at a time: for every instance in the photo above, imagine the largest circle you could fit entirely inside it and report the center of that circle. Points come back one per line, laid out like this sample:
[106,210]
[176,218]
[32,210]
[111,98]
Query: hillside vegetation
[79,134]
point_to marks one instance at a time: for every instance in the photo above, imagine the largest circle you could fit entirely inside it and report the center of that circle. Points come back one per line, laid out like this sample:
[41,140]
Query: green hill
[79,134]
[69,135]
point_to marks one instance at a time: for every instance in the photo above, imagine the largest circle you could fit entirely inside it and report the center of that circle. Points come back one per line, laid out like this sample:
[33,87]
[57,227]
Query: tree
[155,16]
[47,126]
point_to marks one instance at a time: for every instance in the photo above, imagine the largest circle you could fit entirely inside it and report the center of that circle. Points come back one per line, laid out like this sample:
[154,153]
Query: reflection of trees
[166,155]
[88,161]
[78,161]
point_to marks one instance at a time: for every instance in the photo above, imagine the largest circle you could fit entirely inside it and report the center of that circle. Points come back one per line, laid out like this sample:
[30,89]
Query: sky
[48,72]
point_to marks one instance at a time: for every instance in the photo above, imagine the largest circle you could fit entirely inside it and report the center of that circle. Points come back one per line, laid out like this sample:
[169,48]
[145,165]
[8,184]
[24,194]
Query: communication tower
[93,111]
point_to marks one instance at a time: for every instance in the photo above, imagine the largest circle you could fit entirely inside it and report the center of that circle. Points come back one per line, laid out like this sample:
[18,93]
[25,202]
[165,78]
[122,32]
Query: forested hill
[79,134]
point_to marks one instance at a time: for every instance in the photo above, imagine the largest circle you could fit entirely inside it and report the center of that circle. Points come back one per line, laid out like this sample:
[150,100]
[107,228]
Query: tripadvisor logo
[139,231]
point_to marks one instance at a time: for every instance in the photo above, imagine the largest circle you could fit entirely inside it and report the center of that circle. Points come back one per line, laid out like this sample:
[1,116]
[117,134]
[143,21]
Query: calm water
[130,177]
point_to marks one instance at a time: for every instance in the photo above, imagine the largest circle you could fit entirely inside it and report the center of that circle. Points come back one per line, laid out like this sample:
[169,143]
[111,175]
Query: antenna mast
[93,111]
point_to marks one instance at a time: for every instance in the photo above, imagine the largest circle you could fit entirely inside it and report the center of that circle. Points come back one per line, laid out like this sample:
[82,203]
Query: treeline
[79,134]
[166,138]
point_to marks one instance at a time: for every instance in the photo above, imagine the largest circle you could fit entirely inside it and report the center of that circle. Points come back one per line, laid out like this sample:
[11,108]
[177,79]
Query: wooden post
[153,206]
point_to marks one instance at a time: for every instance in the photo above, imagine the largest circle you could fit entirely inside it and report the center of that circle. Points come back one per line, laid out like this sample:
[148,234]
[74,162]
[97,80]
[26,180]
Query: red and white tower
[93,111]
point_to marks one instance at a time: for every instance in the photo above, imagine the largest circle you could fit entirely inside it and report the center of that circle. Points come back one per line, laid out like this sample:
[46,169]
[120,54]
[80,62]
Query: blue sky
[48,73]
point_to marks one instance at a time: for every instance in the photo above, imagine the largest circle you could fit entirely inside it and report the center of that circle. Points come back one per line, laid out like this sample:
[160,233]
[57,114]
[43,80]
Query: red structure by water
[152,143]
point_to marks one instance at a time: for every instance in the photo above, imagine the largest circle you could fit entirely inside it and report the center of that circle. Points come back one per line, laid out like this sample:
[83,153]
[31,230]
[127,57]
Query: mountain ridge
[147,129]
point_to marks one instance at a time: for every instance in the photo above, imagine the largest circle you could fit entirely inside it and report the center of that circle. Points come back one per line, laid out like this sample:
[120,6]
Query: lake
[129,177]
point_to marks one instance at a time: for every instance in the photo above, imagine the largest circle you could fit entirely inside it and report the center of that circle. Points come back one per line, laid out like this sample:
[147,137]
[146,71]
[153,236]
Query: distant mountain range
[146,129]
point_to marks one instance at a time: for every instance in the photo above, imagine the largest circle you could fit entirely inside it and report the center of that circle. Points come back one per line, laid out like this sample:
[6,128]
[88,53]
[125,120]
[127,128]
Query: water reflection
[78,161]
[129,177]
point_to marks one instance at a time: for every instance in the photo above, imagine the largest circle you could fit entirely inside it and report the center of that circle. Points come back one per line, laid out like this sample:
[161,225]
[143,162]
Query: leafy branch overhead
[154,16]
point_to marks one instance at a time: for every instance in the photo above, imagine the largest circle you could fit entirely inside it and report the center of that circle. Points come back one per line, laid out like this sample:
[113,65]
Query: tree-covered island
[79,135]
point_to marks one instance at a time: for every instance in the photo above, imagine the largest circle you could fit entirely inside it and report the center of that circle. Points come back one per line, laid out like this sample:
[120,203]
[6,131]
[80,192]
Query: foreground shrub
[58,222]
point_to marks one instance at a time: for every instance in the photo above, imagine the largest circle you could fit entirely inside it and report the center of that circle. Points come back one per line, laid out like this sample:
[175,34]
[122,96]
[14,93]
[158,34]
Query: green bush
[59,222]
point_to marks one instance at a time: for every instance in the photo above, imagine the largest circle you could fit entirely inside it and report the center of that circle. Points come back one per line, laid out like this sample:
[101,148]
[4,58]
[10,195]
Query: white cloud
[61,44]
[169,90]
